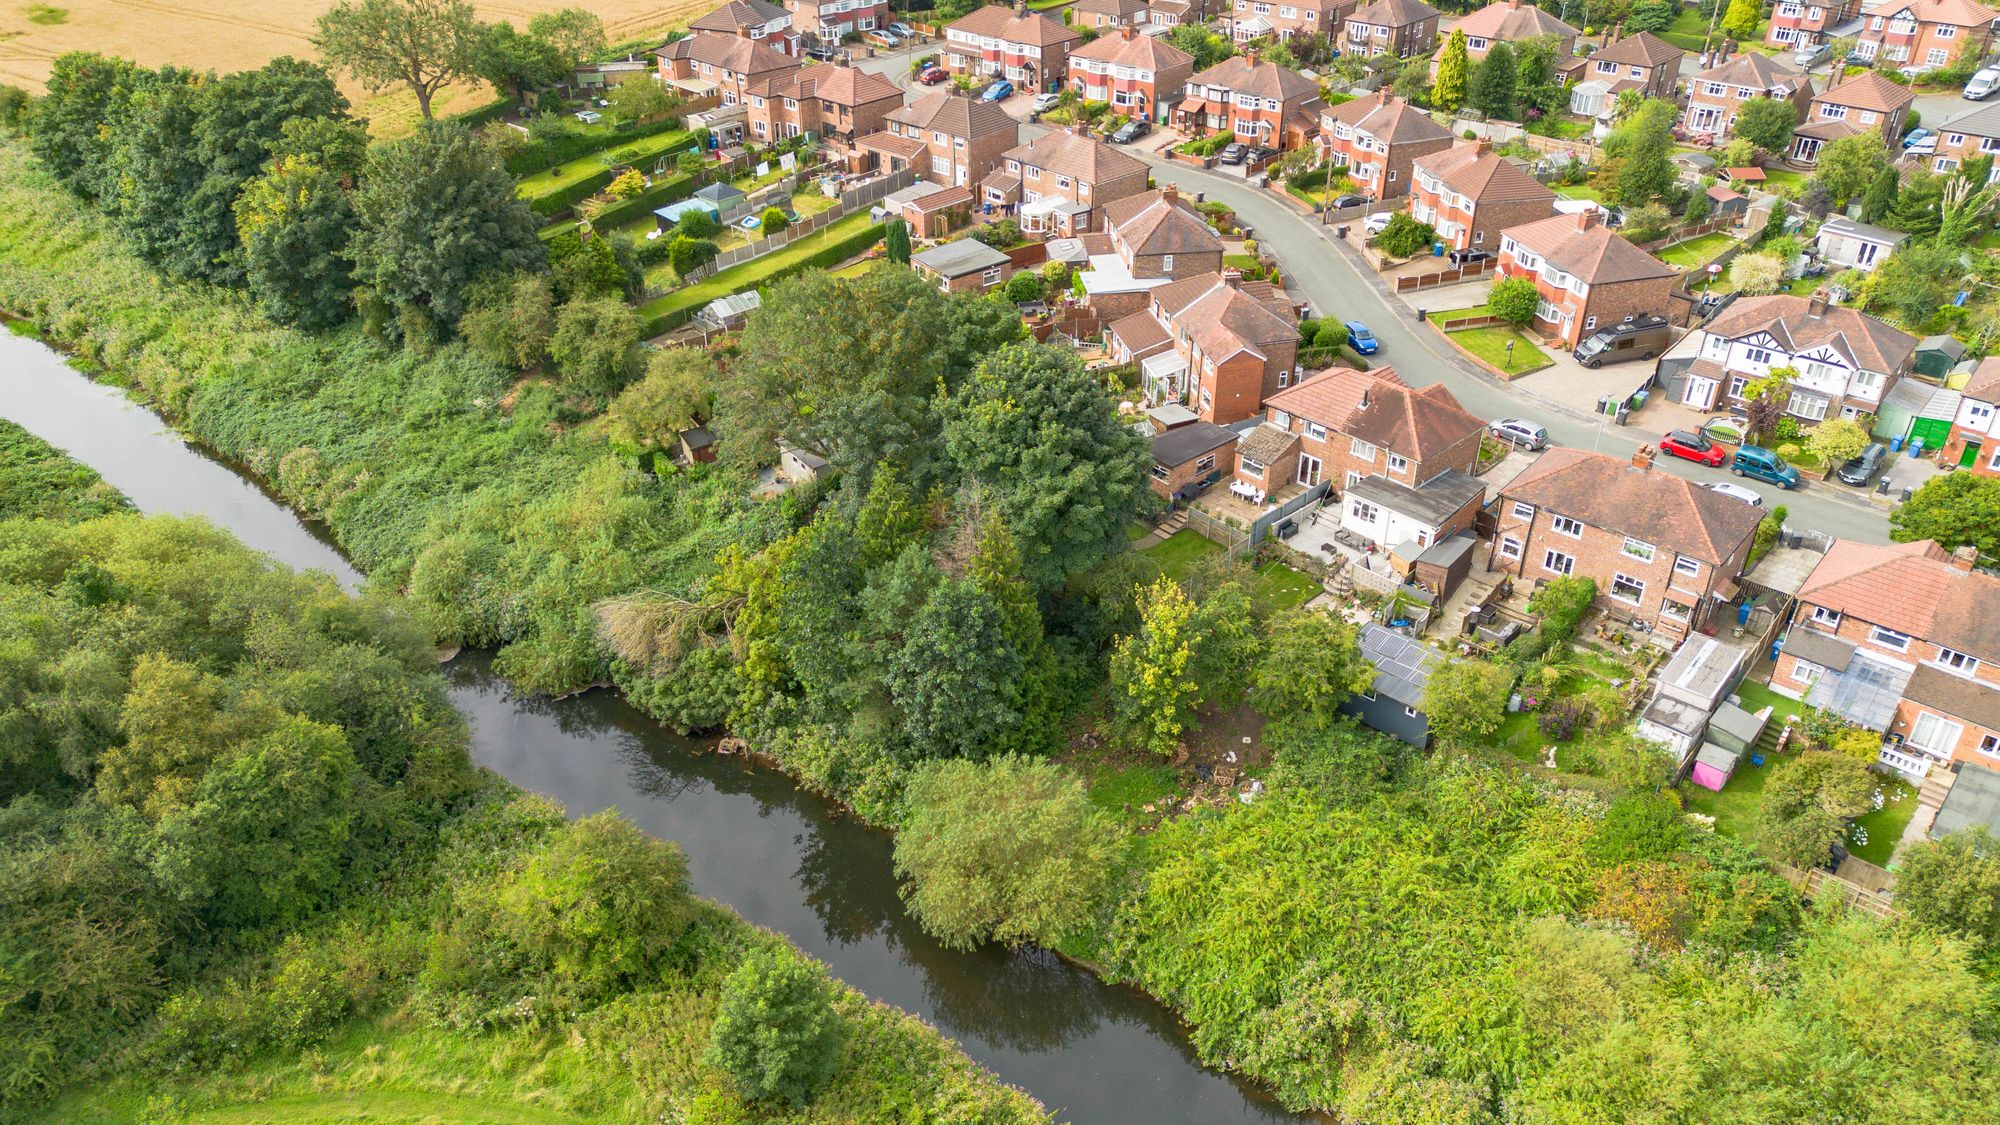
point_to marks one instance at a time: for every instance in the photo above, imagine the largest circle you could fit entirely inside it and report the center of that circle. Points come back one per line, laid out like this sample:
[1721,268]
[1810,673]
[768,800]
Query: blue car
[1762,464]
[1362,340]
[999,91]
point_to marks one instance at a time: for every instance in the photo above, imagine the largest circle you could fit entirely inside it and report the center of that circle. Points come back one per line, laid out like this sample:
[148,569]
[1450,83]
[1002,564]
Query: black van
[1642,337]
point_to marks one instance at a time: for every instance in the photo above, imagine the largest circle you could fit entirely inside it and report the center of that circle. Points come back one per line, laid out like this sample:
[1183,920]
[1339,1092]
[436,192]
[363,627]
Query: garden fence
[1444,277]
[1236,543]
[866,195]
[1816,883]
[1299,503]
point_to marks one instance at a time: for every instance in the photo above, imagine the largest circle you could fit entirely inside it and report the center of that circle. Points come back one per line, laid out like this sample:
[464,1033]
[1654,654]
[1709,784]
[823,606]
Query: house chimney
[1642,458]
[1816,304]
[1171,193]
[1128,31]
[1588,218]
[1964,557]
[1250,58]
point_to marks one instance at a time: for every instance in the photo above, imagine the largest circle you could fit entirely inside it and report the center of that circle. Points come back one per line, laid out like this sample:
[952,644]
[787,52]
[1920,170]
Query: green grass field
[1696,252]
[1278,587]
[1490,344]
[1181,550]
[1735,809]
[563,175]
[1883,827]
[750,274]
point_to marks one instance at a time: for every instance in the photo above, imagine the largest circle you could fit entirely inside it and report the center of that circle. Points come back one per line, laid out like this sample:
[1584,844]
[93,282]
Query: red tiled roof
[1643,49]
[1656,507]
[1246,75]
[1014,27]
[1593,252]
[1512,21]
[1912,588]
[1334,397]
[1484,176]
[1874,344]
[1985,382]
[1868,91]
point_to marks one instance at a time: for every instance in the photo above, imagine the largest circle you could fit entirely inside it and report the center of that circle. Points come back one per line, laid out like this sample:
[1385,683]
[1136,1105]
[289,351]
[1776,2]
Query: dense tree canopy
[419,44]
[1956,509]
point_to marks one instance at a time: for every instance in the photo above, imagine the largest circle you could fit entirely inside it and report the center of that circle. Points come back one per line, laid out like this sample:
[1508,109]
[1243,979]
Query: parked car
[1983,83]
[1235,153]
[1642,337]
[1920,140]
[1131,131]
[904,30]
[1374,224]
[998,92]
[822,51]
[1045,102]
[1362,340]
[1811,56]
[1691,446]
[1467,257]
[1737,492]
[1858,471]
[934,75]
[883,37]
[1349,201]
[1521,432]
[1258,154]
[1765,465]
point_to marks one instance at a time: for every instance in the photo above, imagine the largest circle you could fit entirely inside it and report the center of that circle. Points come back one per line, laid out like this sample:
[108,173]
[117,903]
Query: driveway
[1316,265]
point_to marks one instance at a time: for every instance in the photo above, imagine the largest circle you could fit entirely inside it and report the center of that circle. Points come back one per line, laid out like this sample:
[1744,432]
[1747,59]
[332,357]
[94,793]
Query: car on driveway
[883,37]
[1467,257]
[904,30]
[1762,464]
[1690,446]
[1045,102]
[998,92]
[1362,340]
[1915,138]
[1807,57]
[1350,201]
[1131,131]
[1736,491]
[1520,432]
[1235,153]
[934,75]
[1859,470]
[822,52]
[1376,223]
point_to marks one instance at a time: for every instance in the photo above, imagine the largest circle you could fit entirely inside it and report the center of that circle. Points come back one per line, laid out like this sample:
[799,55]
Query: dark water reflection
[783,858]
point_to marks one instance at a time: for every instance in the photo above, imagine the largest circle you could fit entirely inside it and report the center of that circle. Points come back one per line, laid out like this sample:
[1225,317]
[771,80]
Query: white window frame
[1398,463]
[1897,642]
[1924,732]
[1510,548]
[1523,511]
[1638,598]
[1559,522]
[1551,558]
[1957,663]
[1687,566]
[1361,449]
[1638,549]
[1827,617]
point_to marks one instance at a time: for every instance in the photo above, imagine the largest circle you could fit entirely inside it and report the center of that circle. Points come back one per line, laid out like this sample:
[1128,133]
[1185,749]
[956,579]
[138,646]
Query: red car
[933,76]
[1693,447]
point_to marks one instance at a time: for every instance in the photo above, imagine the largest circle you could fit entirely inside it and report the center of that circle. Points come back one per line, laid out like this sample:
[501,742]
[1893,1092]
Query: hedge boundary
[540,156]
[827,255]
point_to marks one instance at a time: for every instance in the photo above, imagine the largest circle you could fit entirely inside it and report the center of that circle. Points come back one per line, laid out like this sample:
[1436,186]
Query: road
[1340,287]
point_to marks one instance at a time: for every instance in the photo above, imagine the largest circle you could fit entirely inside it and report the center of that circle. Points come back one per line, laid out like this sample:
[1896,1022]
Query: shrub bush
[1562,719]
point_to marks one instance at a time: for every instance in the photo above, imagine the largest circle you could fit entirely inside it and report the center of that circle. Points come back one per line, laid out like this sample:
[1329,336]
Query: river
[784,858]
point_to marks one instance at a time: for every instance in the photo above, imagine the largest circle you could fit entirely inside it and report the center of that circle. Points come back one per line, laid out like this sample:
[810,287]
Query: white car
[1983,83]
[1376,223]
[1737,492]
[1046,102]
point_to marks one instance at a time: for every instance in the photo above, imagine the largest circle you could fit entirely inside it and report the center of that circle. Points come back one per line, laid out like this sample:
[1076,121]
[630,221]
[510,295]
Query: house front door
[1970,456]
[1700,392]
[1308,470]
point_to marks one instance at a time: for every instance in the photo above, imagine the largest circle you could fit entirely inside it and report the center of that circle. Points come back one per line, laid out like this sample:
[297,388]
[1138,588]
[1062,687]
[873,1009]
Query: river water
[784,858]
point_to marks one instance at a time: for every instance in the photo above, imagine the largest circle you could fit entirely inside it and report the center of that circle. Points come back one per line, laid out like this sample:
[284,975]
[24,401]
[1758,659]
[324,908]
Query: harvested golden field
[225,35]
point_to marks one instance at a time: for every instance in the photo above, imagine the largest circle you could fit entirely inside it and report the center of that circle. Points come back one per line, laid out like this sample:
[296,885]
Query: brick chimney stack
[1642,458]
[1171,193]
[1588,218]
[1816,304]
[1249,57]
[1964,557]
[1127,31]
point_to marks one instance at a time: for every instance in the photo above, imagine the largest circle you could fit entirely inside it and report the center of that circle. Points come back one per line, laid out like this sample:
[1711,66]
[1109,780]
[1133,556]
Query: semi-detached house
[1866,103]
[1967,136]
[1138,75]
[953,140]
[1276,19]
[759,21]
[1974,444]
[1215,343]
[728,63]
[1103,15]
[1402,28]
[1662,549]
[1148,240]
[1926,33]
[1509,21]
[1805,23]
[1643,62]
[1259,101]
[1716,95]
[1026,48]
[1846,361]
[1589,277]
[1470,194]
[1059,180]
[1905,640]
[840,104]
[830,20]
[1379,137]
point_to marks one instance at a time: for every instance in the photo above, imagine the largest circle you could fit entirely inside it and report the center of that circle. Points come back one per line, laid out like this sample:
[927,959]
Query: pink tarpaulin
[1709,777]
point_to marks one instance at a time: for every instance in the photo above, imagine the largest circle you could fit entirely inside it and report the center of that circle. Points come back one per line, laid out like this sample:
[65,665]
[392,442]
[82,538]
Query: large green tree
[1313,665]
[776,1034]
[596,346]
[1465,700]
[515,63]
[1767,123]
[1153,690]
[1956,509]
[1643,150]
[1042,437]
[953,679]
[600,906]
[1454,73]
[576,35]
[438,213]
[1491,91]
[1740,21]
[421,44]
[1848,164]
[70,125]
[1807,802]
[1008,851]
[1953,885]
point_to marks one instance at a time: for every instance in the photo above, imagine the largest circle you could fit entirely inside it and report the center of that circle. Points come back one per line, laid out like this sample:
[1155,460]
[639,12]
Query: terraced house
[1846,361]
[1589,276]
[1470,194]
[1718,93]
[1379,137]
[1509,21]
[1026,48]
[1058,181]
[956,141]
[1866,103]
[1138,75]
[1258,19]
[1403,28]
[1214,342]
[1259,101]
[759,21]
[1804,23]
[1663,550]
[1905,640]
[1967,136]
[1925,33]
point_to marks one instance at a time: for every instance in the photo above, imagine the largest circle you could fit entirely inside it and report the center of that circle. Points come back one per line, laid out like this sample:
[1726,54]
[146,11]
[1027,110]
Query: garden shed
[1394,703]
[1714,766]
[1732,728]
[670,215]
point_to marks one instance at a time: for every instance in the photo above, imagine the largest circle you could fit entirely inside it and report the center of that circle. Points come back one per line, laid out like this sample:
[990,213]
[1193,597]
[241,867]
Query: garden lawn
[750,274]
[1490,344]
[1580,191]
[1735,809]
[1883,827]
[563,175]
[1695,252]
[1181,550]
[1278,587]
[1687,30]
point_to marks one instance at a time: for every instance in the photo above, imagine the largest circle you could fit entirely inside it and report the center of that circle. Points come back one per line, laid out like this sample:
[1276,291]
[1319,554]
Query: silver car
[1520,432]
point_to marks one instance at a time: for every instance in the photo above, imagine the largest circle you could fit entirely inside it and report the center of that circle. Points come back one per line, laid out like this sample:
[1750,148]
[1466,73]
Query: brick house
[1103,15]
[965,266]
[1469,194]
[1403,28]
[1588,275]
[1865,103]
[731,64]
[1974,445]
[1847,362]
[1260,102]
[1148,240]
[1643,62]
[840,103]
[829,20]
[1283,19]
[1804,23]
[1027,48]
[1715,95]
[1903,639]
[1215,342]
[1378,137]
[1509,21]
[1662,549]
[1928,33]
[1173,13]
[1139,75]
[1060,179]
[951,139]
[1190,453]
[1966,136]
[759,21]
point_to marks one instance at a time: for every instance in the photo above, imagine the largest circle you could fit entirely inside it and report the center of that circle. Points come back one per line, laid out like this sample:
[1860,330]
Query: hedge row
[541,155]
[828,255]
[673,189]
[486,114]
[563,198]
